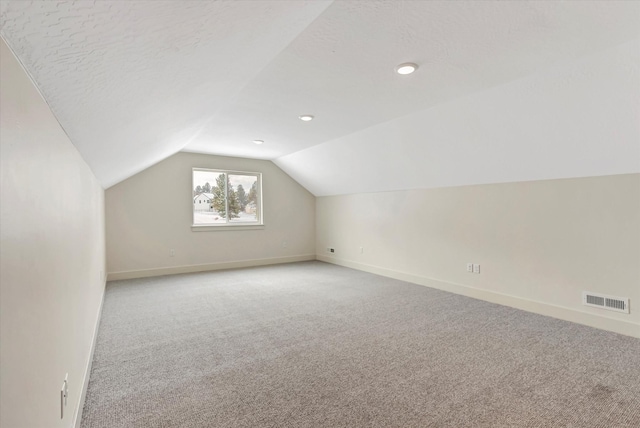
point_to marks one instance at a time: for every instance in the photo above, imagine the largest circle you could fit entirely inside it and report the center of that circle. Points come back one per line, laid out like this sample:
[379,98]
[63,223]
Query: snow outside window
[226,198]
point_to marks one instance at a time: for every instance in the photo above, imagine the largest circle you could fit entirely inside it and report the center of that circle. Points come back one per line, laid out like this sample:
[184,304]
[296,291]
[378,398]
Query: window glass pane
[243,198]
[208,197]
[223,197]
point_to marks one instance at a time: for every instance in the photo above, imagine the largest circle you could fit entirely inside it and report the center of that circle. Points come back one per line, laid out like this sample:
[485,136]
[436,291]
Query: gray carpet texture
[317,345]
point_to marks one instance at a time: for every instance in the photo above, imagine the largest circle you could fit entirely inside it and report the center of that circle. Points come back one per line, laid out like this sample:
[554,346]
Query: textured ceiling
[131,82]
[134,82]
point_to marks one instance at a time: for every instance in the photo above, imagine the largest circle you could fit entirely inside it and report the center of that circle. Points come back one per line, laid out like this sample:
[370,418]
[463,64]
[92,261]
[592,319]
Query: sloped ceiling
[578,119]
[134,82]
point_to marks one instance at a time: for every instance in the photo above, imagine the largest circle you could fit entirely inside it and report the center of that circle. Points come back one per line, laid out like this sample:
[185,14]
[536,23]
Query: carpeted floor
[316,345]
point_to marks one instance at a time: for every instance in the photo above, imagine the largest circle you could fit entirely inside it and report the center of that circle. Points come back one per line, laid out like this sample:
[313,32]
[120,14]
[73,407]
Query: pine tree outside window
[226,198]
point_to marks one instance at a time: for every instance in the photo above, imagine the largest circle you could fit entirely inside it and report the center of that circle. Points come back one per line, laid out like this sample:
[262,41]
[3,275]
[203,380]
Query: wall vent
[618,304]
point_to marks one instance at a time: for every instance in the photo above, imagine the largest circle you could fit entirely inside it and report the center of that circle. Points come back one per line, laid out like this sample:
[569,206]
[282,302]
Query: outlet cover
[66,388]
[63,398]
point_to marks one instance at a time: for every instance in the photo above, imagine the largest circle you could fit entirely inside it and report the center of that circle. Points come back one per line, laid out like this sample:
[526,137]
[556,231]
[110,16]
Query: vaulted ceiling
[135,82]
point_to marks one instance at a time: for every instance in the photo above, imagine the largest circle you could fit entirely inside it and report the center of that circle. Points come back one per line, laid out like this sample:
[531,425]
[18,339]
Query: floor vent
[618,304]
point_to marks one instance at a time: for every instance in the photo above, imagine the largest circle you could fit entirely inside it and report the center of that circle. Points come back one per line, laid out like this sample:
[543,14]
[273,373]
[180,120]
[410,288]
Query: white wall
[540,239]
[539,243]
[151,213]
[52,258]
[575,119]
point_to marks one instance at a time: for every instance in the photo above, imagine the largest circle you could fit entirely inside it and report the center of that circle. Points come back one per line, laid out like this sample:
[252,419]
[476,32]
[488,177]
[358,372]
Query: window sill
[225,227]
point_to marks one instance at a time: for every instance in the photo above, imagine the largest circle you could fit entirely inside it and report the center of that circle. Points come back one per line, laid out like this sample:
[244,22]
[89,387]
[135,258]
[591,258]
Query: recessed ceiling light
[258,141]
[305,117]
[406,68]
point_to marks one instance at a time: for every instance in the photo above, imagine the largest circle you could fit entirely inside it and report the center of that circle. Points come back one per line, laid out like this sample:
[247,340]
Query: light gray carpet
[316,345]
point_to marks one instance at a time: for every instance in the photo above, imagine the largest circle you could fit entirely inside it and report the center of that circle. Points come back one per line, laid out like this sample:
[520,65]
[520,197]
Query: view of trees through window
[224,197]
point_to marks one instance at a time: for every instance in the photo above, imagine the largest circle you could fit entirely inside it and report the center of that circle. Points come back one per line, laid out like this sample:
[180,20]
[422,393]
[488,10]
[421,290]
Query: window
[226,198]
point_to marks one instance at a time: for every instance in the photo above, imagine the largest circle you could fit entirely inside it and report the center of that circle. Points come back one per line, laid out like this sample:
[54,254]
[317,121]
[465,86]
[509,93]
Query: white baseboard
[144,273]
[77,420]
[568,314]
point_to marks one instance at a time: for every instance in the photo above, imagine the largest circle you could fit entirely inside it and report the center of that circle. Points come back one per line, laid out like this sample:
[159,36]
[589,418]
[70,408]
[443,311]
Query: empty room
[319,213]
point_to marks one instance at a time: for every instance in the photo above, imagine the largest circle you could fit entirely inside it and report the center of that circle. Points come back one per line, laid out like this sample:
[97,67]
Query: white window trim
[225,228]
[211,227]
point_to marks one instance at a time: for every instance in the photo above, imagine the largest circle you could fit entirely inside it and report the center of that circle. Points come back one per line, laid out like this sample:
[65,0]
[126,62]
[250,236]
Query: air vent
[618,304]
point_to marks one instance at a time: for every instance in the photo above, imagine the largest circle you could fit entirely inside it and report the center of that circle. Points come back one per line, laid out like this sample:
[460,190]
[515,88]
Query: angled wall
[52,258]
[150,213]
[536,180]
[575,119]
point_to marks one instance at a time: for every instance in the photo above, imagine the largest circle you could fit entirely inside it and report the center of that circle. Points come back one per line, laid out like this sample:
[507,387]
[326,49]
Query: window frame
[202,227]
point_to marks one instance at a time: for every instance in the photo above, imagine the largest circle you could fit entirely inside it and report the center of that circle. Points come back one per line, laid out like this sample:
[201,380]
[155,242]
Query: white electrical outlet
[172,252]
[361,250]
[476,268]
[284,244]
[64,392]
[470,267]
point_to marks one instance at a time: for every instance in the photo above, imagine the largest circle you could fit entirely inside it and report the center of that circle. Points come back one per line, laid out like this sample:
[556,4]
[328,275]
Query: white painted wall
[150,213]
[539,243]
[575,119]
[52,258]
[540,239]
